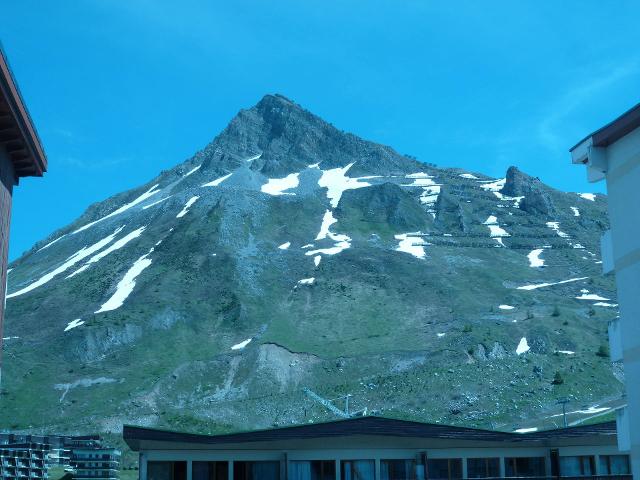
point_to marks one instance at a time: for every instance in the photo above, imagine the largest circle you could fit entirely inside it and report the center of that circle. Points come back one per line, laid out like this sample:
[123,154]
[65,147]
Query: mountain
[289,255]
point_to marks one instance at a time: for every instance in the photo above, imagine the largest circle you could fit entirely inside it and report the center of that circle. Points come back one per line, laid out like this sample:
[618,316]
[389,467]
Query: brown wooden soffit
[615,130]
[17,133]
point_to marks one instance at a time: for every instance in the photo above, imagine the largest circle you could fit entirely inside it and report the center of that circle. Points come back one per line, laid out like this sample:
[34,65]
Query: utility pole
[563,402]
[330,405]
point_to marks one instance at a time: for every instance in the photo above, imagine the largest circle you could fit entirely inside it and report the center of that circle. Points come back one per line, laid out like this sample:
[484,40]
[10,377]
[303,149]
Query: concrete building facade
[374,448]
[612,154]
[21,155]
[91,463]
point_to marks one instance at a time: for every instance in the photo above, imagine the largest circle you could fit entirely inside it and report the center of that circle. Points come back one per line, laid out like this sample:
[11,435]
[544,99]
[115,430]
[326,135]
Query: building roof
[17,132]
[371,426]
[613,131]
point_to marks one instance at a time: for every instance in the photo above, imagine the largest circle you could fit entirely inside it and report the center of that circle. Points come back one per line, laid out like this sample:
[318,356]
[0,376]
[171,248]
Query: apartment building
[96,462]
[24,460]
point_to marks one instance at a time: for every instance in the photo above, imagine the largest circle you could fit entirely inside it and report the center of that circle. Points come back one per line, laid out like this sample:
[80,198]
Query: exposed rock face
[536,198]
[449,212]
[385,205]
[497,352]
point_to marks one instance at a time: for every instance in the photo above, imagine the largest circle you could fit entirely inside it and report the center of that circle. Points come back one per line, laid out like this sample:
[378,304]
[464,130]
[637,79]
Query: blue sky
[121,90]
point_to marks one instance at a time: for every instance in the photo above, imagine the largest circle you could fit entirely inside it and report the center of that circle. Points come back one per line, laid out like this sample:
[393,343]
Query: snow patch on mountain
[411,244]
[118,244]
[241,345]
[522,347]
[253,157]
[277,186]
[543,285]
[591,296]
[73,324]
[555,226]
[187,205]
[336,182]
[588,196]
[156,202]
[495,231]
[126,285]
[576,212]
[217,181]
[494,186]
[80,255]
[192,171]
[148,194]
[49,244]
[284,246]
[327,220]
[534,258]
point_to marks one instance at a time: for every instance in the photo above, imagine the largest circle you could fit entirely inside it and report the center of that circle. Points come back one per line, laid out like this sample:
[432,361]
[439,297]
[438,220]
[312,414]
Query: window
[398,470]
[312,470]
[524,467]
[210,470]
[167,470]
[483,467]
[358,469]
[577,466]
[614,465]
[256,470]
[444,468]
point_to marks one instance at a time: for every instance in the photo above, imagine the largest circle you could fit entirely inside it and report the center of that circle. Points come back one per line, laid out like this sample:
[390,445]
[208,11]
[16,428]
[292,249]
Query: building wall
[360,452]
[623,188]
[7,180]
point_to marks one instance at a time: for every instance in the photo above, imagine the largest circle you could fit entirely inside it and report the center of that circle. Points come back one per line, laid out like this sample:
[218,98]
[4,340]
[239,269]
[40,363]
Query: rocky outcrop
[386,205]
[449,213]
[536,196]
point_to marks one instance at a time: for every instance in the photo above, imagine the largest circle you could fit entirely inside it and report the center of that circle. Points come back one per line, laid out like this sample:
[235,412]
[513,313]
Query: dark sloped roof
[17,132]
[361,426]
[615,130]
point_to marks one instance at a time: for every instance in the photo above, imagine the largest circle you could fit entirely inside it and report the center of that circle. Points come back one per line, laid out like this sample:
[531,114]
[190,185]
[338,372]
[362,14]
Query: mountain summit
[288,256]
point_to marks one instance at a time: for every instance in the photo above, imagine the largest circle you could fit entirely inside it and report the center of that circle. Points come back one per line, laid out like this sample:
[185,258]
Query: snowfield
[534,258]
[543,285]
[187,205]
[73,324]
[336,182]
[148,194]
[241,345]
[217,181]
[278,186]
[80,255]
[125,286]
[192,171]
[112,248]
[411,244]
[522,347]
[495,231]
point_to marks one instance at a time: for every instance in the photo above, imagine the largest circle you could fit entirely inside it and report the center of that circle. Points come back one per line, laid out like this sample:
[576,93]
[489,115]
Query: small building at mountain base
[376,448]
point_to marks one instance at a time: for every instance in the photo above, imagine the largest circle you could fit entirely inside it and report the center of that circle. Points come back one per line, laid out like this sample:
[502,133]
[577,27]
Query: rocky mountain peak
[290,254]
